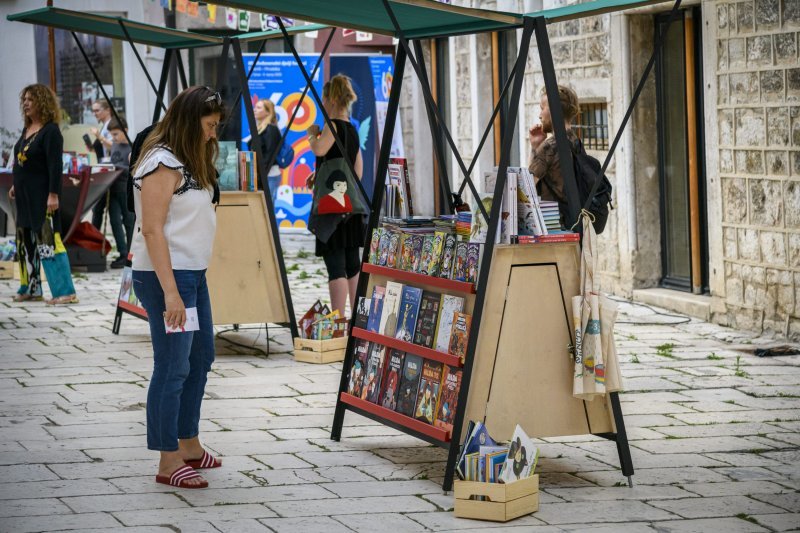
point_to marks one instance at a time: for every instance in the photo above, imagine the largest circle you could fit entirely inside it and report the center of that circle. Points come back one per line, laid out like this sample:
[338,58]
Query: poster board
[244,278]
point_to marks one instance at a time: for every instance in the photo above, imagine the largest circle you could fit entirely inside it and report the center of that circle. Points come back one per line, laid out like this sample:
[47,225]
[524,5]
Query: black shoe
[119,262]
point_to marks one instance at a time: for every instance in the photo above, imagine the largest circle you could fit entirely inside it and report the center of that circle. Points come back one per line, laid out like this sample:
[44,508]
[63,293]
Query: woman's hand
[536,136]
[175,314]
[310,180]
[95,132]
[11,193]
[313,131]
[52,203]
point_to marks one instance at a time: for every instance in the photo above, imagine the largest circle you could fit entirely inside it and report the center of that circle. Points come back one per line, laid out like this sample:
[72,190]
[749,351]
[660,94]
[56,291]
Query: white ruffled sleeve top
[191,220]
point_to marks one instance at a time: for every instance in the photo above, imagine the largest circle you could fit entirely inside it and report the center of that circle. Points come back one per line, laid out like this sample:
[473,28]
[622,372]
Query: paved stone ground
[714,432]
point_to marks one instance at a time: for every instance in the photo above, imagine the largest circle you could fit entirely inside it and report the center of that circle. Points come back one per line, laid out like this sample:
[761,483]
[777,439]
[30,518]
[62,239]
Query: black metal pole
[623,449]
[374,220]
[99,83]
[169,22]
[262,171]
[486,262]
[162,86]
[181,69]
[328,122]
[139,58]
[438,149]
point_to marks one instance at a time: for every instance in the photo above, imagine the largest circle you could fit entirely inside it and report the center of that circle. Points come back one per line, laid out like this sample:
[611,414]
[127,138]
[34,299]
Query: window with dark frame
[592,125]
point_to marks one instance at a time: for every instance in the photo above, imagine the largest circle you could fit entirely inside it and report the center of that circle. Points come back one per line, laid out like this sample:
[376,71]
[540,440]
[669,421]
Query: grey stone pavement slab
[714,434]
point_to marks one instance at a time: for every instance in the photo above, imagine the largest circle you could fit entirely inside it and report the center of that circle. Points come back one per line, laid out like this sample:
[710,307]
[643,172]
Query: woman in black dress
[341,251]
[36,191]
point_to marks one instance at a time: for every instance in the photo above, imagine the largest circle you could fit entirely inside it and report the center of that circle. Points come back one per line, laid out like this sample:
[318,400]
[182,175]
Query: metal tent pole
[162,86]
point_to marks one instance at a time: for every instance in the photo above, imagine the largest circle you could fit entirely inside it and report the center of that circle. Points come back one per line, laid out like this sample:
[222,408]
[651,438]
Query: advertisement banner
[278,78]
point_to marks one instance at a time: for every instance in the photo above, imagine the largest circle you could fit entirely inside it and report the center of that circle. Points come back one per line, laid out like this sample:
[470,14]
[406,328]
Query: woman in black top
[270,135]
[341,251]
[36,191]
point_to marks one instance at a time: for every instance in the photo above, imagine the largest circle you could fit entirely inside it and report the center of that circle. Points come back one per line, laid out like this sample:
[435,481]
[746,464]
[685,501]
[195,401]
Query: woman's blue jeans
[181,361]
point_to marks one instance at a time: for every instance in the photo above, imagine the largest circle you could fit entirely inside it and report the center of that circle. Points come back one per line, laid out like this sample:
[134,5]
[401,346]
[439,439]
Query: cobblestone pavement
[714,432]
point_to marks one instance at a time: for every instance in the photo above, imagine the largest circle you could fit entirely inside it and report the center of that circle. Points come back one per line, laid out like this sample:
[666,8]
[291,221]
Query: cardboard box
[504,501]
[319,352]
[7,269]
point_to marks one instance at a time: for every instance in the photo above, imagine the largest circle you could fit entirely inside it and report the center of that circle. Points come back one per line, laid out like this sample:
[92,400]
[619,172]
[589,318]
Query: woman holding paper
[174,193]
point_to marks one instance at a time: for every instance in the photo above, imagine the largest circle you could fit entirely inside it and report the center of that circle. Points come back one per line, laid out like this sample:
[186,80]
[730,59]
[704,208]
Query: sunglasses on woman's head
[215,97]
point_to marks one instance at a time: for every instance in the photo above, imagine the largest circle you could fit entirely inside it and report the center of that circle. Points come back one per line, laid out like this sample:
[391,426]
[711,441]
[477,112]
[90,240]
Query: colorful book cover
[307,321]
[391,304]
[522,458]
[356,381]
[479,436]
[450,305]
[376,308]
[460,262]
[428,395]
[407,314]
[416,253]
[383,247]
[394,249]
[427,250]
[372,377]
[406,252]
[390,383]
[448,253]
[373,245]
[425,331]
[398,167]
[362,312]
[473,257]
[460,334]
[448,400]
[436,253]
[409,383]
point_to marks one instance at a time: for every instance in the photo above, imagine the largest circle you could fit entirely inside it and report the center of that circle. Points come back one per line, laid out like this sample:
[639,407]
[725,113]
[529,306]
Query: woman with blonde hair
[341,251]
[174,190]
[36,191]
[270,135]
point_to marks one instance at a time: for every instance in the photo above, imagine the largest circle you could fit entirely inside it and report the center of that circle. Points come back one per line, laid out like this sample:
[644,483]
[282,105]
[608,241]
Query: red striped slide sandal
[207,461]
[180,477]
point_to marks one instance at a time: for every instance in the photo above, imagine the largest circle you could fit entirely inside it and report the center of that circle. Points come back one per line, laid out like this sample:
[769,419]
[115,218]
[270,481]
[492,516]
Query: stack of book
[463,224]
[397,200]
[552,217]
[483,459]
[319,323]
[247,171]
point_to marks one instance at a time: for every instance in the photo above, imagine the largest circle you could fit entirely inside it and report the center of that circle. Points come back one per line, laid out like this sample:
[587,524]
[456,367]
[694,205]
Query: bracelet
[311,137]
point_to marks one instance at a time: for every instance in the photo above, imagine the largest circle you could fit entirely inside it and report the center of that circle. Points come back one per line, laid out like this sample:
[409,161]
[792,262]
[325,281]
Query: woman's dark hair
[182,132]
[336,175]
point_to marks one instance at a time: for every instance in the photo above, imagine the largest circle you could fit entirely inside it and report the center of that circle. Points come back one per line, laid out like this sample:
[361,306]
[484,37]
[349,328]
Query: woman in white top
[174,187]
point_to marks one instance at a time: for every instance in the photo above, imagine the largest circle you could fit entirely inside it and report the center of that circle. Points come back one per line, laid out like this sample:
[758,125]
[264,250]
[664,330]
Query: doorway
[681,164]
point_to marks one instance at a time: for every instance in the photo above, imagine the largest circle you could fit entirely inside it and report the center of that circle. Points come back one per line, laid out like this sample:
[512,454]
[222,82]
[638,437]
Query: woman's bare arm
[157,190]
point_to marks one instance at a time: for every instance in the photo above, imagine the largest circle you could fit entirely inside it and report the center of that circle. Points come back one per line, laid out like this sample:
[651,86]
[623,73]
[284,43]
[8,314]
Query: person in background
[174,187]
[121,217]
[102,147]
[36,191]
[341,252]
[543,162]
[270,135]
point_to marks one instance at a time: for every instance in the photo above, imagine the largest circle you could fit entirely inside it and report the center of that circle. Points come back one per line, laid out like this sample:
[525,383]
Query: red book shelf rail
[413,277]
[132,309]
[420,427]
[403,346]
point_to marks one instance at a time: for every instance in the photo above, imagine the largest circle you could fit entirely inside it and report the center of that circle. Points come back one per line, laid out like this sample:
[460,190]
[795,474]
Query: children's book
[308,319]
[460,265]
[473,256]
[428,395]
[436,253]
[398,171]
[448,253]
[479,436]
[355,384]
[376,308]
[427,250]
[362,312]
[448,399]
[409,384]
[449,306]
[406,252]
[460,334]
[373,245]
[522,457]
[407,314]
[394,249]
[390,383]
[383,247]
[391,303]
[416,253]
[425,330]
[372,377]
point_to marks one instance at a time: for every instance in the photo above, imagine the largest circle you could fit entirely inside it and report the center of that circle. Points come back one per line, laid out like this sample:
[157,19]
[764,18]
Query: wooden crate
[504,501]
[314,351]
[7,269]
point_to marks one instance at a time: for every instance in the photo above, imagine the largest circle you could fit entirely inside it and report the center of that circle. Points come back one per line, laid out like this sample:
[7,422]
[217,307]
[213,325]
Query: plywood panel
[244,278]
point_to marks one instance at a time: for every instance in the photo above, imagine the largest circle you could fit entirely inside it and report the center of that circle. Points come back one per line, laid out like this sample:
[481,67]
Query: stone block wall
[758,113]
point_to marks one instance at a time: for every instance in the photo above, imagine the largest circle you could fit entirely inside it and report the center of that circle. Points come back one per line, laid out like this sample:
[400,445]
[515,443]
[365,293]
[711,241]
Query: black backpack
[587,168]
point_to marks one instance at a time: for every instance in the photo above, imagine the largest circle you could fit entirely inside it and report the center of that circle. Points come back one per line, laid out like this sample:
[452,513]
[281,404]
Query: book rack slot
[391,342]
[403,420]
[419,279]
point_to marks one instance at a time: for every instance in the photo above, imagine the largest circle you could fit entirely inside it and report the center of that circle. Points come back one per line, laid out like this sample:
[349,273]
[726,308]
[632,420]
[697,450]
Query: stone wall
[758,112]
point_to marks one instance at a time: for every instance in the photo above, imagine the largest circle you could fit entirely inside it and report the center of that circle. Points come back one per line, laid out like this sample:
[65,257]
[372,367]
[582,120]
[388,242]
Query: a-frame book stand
[517,367]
